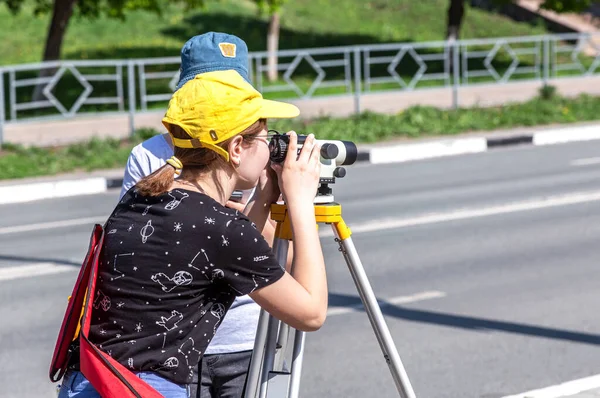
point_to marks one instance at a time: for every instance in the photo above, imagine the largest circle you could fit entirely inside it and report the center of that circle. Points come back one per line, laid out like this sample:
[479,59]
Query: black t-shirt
[170,269]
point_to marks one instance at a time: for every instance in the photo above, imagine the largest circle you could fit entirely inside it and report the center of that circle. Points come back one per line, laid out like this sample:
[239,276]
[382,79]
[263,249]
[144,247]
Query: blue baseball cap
[213,51]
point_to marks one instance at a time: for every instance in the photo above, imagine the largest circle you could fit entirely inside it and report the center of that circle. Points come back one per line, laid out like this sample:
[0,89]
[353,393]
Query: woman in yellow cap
[174,257]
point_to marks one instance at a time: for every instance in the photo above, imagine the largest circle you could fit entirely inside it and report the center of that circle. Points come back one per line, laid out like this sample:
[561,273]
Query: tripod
[270,376]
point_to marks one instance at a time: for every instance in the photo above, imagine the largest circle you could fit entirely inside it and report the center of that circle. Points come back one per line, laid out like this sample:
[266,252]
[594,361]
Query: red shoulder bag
[109,377]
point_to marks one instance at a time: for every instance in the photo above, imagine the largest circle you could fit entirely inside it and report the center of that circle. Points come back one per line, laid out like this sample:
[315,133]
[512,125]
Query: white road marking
[562,390]
[31,270]
[52,225]
[585,162]
[394,300]
[461,214]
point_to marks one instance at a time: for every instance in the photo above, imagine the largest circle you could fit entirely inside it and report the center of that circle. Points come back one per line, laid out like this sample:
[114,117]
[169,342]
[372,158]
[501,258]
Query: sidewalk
[49,133]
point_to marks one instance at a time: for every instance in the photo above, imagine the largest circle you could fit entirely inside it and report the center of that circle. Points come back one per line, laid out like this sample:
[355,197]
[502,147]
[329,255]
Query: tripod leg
[284,332]
[297,358]
[373,311]
[254,371]
[266,335]
[269,357]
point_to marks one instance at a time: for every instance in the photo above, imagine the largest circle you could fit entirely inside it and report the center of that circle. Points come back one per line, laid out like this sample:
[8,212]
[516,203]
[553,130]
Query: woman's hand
[267,189]
[299,177]
[235,205]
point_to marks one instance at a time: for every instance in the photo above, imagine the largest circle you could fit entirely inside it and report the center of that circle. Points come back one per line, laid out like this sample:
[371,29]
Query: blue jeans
[75,385]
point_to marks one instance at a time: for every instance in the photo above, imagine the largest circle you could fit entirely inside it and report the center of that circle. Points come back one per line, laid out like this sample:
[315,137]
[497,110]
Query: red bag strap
[109,377]
[70,324]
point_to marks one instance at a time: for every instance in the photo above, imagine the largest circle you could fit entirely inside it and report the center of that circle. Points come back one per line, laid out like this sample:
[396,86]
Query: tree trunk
[273,46]
[456,11]
[61,14]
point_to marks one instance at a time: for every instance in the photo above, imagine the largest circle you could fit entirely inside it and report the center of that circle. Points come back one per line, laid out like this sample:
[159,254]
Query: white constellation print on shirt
[146,210]
[138,327]
[191,263]
[215,275]
[170,363]
[177,226]
[177,196]
[102,300]
[121,274]
[112,231]
[209,220]
[147,231]
[186,350]
[181,278]
[226,214]
[171,322]
[218,311]
[254,278]
[224,241]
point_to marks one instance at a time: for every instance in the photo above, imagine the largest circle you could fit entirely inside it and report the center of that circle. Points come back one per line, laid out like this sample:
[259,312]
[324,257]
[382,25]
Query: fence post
[357,82]
[546,73]
[456,74]
[131,92]
[2,105]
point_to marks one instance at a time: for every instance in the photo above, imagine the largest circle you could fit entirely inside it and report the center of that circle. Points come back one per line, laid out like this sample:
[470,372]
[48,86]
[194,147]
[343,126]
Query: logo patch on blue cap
[227,49]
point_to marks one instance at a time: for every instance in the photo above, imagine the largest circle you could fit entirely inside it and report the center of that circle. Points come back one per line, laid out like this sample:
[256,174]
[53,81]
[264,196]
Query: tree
[456,11]
[63,10]
[561,6]
[273,9]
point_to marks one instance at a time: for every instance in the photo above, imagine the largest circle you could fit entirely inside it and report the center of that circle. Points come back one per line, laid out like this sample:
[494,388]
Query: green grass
[18,162]
[415,122]
[305,23]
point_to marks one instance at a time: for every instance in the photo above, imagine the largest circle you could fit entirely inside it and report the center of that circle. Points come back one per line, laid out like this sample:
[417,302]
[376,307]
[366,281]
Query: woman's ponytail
[161,180]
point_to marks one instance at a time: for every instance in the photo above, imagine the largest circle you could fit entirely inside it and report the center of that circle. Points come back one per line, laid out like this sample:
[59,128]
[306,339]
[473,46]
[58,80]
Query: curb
[461,146]
[376,154]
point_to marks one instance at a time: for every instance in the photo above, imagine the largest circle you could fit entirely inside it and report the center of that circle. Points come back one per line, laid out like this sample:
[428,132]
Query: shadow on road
[468,322]
[24,259]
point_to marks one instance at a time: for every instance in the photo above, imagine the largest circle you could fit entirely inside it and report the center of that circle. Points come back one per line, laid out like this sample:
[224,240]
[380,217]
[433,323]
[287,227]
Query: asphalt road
[485,266]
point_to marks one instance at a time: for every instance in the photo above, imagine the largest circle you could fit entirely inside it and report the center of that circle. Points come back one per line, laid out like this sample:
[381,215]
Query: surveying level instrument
[272,373]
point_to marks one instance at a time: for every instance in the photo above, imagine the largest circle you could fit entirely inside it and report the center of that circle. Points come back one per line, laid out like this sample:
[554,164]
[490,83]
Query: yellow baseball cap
[215,106]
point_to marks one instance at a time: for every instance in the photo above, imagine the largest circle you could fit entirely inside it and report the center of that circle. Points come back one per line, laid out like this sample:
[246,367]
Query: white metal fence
[70,88]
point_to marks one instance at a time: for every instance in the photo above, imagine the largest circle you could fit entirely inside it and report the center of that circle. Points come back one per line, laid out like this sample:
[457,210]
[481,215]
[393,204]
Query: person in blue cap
[223,369]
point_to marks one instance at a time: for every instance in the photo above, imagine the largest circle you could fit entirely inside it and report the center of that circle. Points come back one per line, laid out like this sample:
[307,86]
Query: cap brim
[278,110]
